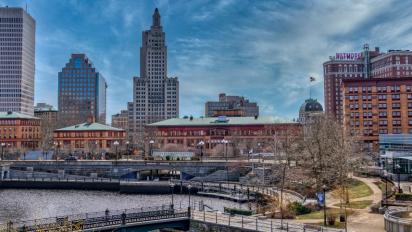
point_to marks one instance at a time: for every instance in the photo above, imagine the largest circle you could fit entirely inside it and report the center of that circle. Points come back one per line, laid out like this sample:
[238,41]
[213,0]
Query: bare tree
[329,153]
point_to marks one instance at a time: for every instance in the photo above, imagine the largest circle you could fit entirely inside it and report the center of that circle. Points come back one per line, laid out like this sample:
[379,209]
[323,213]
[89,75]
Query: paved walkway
[362,220]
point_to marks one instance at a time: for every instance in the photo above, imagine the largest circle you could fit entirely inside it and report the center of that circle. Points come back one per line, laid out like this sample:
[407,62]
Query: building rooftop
[208,121]
[15,115]
[395,138]
[89,127]
[311,105]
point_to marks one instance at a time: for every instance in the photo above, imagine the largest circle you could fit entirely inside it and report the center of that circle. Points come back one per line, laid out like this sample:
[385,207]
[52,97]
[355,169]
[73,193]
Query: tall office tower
[17,55]
[155,96]
[343,66]
[81,91]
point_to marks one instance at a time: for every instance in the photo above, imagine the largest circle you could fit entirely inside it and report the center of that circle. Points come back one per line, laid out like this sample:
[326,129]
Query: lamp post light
[151,142]
[172,188]
[324,204]
[116,144]
[398,169]
[201,144]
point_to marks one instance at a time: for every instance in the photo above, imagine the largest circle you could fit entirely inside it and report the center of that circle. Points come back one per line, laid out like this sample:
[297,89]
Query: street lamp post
[172,188]
[398,169]
[188,189]
[127,150]
[385,175]
[116,144]
[2,150]
[201,144]
[225,142]
[151,142]
[324,204]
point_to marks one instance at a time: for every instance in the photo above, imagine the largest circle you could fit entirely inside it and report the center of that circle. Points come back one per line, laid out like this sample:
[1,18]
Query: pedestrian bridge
[140,219]
[118,169]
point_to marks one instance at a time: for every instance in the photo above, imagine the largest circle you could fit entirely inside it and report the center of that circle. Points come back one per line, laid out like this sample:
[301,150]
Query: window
[396,105]
[383,114]
[396,114]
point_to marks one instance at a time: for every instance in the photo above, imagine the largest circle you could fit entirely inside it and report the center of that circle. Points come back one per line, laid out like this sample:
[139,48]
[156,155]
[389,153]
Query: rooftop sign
[348,56]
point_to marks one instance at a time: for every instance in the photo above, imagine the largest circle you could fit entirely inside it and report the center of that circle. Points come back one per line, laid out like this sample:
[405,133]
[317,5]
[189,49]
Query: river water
[34,204]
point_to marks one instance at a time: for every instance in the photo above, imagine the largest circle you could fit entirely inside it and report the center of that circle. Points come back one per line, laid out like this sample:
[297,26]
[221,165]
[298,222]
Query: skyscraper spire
[156,18]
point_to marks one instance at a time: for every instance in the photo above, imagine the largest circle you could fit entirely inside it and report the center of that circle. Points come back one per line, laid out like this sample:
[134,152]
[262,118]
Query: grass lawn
[319,214]
[358,204]
[356,189]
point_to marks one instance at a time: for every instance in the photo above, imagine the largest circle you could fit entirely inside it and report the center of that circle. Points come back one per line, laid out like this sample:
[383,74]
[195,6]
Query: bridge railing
[255,222]
[230,187]
[96,219]
[66,179]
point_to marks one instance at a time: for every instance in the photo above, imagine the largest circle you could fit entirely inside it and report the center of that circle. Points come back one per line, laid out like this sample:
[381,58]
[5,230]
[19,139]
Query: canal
[33,204]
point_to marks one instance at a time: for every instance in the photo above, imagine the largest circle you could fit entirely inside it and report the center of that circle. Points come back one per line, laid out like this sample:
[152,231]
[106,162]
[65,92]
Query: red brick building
[361,66]
[378,106]
[19,131]
[344,66]
[188,132]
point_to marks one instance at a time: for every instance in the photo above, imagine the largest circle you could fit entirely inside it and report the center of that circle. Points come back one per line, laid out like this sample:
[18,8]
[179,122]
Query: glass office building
[396,153]
[81,91]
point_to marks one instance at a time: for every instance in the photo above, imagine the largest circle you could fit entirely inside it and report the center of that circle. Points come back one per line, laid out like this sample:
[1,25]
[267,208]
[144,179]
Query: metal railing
[391,215]
[67,179]
[231,187]
[96,220]
[255,223]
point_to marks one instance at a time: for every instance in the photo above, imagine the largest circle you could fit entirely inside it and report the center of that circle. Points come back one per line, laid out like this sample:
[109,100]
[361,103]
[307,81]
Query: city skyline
[264,61]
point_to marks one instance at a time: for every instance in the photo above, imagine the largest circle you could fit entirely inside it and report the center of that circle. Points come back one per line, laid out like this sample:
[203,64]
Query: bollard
[242,221]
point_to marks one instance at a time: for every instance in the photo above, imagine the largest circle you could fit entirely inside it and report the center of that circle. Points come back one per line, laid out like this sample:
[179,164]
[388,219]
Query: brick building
[88,137]
[47,113]
[231,106]
[344,66]
[361,66]
[121,120]
[19,131]
[378,106]
[238,131]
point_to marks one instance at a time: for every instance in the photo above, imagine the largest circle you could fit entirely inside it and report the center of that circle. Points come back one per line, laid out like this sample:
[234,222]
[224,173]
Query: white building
[155,96]
[17,59]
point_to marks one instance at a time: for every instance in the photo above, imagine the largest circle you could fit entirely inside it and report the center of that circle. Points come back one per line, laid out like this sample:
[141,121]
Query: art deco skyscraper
[17,49]
[81,91]
[155,96]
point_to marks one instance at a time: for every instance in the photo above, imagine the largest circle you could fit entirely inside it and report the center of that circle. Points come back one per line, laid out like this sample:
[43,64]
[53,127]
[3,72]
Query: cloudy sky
[264,50]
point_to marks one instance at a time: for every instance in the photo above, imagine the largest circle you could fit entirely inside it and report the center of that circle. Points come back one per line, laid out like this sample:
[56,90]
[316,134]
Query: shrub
[403,197]
[331,220]
[299,208]
[237,211]
[167,157]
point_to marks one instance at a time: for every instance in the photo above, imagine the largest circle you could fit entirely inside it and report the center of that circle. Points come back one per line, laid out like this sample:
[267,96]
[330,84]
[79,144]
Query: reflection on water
[33,204]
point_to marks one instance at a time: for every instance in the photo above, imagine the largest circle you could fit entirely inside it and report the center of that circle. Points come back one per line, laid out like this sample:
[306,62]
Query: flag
[312,79]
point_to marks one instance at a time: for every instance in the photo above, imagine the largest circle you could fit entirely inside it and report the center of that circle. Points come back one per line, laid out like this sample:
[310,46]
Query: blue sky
[264,50]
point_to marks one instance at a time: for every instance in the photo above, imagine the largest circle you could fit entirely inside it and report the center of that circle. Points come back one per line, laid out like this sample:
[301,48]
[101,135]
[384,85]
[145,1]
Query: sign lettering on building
[348,56]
